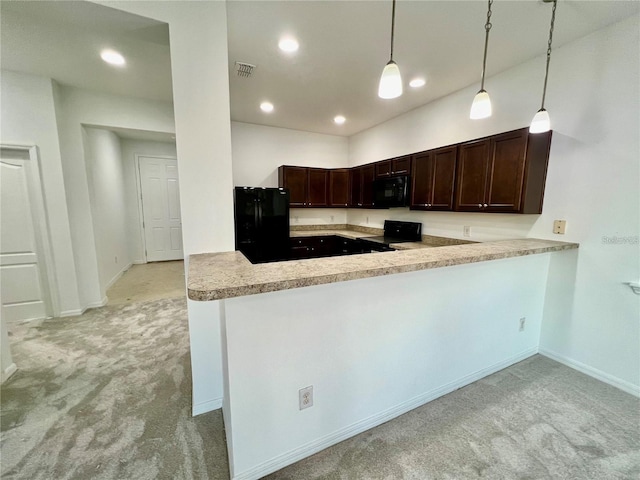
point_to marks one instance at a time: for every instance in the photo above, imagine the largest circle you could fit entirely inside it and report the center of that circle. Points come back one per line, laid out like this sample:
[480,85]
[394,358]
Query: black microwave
[391,192]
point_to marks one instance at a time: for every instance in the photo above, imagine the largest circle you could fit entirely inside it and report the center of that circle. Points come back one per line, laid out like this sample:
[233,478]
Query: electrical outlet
[295,218]
[116,259]
[466,231]
[305,397]
[559,226]
[523,320]
[332,218]
[367,221]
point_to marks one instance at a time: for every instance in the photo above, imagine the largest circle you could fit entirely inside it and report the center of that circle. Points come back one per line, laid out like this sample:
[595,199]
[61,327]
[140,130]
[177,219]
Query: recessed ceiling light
[112,57]
[417,82]
[266,107]
[288,44]
[339,119]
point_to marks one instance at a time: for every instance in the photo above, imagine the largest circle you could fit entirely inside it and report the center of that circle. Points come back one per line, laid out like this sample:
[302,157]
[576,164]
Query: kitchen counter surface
[325,233]
[215,276]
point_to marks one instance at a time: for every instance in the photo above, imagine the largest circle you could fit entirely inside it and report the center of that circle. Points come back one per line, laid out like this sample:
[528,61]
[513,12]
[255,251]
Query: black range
[394,232]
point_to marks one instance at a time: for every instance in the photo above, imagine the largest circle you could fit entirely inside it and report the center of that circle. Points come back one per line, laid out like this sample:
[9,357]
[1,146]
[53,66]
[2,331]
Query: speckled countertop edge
[215,276]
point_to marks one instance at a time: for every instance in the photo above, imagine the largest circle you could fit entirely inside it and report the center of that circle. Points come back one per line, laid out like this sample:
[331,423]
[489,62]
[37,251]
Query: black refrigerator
[262,223]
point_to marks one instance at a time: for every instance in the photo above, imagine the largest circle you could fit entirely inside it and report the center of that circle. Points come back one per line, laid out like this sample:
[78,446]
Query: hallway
[147,282]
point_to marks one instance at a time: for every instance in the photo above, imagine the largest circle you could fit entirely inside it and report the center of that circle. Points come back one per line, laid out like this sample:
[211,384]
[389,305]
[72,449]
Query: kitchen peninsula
[375,335]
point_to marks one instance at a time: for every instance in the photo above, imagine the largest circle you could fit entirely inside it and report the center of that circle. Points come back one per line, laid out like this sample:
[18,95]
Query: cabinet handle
[485,205]
[479,205]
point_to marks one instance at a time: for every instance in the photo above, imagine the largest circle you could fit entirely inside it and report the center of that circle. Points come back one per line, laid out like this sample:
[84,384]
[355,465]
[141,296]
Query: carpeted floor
[108,396]
[534,420]
[148,282]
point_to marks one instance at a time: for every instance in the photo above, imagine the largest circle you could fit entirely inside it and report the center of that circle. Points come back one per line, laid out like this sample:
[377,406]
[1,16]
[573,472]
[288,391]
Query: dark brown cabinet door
[318,187]
[368,175]
[473,159]
[421,180]
[355,179]
[433,179]
[443,175]
[296,180]
[401,165]
[339,187]
[506,172]
[383,169]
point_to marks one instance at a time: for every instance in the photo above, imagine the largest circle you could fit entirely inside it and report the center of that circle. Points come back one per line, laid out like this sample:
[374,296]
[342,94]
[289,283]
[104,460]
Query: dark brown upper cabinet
[504,173]
[339,187]
[318,187]
[308,187]
[395,166]
[296,179]
[383,169]
[368,176]
[433,178]
[361,179]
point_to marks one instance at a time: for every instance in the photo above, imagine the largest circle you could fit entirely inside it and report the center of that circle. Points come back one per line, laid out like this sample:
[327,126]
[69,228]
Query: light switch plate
[559,226]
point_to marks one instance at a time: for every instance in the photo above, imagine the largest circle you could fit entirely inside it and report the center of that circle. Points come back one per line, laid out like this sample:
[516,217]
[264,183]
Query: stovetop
[398,232]
[386,240]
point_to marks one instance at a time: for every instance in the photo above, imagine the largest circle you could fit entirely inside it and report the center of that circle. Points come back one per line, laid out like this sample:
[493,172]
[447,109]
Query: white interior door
[22,284]
[162,223]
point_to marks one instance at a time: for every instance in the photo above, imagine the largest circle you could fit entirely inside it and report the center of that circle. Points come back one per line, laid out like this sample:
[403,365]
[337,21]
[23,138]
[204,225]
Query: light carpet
[107,395]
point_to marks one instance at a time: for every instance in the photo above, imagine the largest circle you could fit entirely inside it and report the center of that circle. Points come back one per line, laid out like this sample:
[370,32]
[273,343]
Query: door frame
[41,228]
[139,196]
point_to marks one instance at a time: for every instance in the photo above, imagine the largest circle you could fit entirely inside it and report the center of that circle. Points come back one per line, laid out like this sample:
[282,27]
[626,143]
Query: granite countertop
[215,276]
[326,233]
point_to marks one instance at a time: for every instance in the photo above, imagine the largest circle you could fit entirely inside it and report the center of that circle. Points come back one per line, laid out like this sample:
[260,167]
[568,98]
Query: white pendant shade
[541,122]
[390,81]
[481,106]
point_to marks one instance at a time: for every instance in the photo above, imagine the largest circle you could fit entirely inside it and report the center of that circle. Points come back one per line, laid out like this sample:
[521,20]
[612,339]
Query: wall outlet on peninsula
[466,231]
[305,397]
[523,320]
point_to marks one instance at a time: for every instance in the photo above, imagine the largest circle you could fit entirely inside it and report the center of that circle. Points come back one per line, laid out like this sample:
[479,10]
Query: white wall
[592,182]
[199,64]
[28,118]
[131,148]
[75,108]
[259,150]
[380,347]
[105,169]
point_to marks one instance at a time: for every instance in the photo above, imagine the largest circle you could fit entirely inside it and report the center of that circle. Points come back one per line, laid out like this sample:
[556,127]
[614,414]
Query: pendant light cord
[393,26]
[487,27]
[546,73]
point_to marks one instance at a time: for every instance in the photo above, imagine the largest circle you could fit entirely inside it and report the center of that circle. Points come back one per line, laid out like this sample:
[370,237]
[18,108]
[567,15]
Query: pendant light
[391,81]
[481,106]
[541,121]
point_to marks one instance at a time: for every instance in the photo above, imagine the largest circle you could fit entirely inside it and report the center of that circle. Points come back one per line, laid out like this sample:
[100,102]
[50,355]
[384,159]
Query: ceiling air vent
[244,69]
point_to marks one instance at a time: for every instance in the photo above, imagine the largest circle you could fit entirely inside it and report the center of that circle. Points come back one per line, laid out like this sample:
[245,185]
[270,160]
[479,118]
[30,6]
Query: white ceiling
[343,47]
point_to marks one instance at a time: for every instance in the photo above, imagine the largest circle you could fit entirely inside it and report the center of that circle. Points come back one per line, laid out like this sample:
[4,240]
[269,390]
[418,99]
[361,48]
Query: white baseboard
[80,311]
[316,446]
[10,370]
[593,372]
[118,275]
[207,406]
